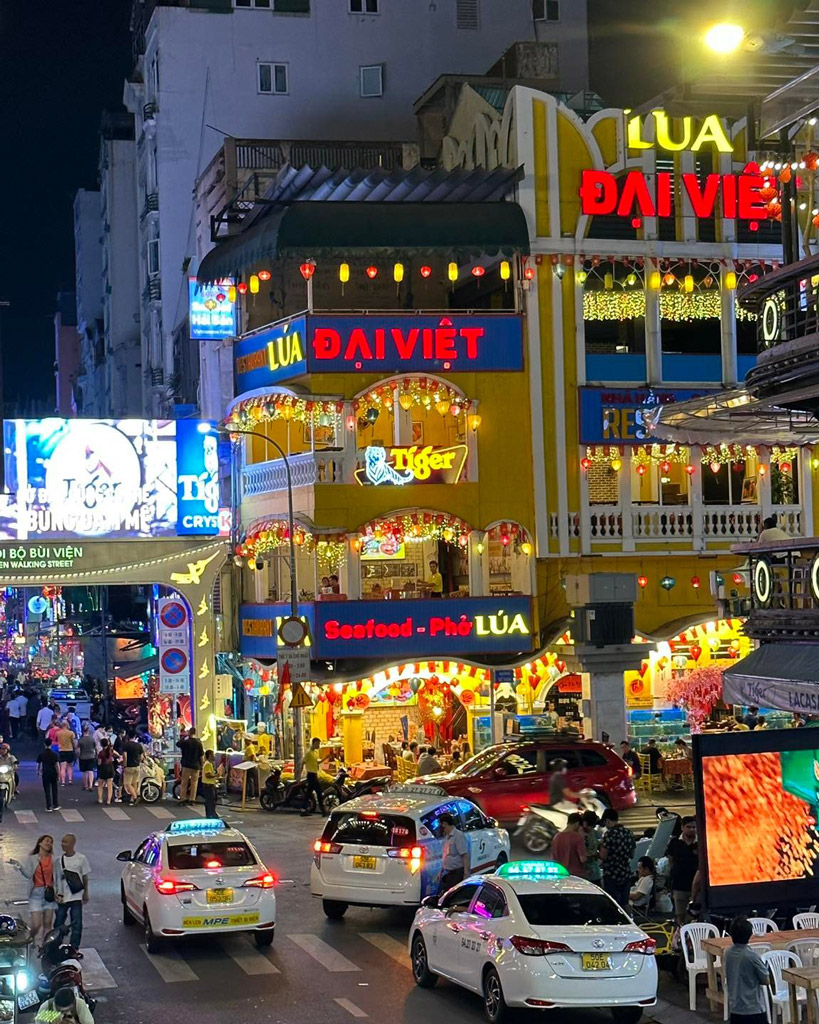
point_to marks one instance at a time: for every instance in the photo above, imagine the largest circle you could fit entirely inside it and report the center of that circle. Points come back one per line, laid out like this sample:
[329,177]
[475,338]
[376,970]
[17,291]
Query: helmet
[8,925]
[558,763]
[4,748]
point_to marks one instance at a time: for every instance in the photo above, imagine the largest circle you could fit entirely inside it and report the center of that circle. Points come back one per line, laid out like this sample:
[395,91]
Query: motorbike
[60,967]
[151,780]
[276,794]
[6,786]
[343,788]
[540,823]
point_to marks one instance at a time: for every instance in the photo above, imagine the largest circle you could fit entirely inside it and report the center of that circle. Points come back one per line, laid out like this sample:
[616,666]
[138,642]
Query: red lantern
[738,578]
[641,470]
[642,581]
[585,463]
[690,469]
[785,467]
[426,271]
[665,466]
[696,651]
[467,697]
[307,270]
[372,272]
[529,273]
[264,275]
[695,582]
[241,288]
[478,271]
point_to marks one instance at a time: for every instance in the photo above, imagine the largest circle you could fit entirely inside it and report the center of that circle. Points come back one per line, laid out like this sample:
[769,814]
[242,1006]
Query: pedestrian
[17,715]
[312,765]
[751,717]
[210,780]
[746,975]
[47,766]
[88,757]
[616,850]
[594,869]
[45,719]
[32,710]
[655,758]
[192,757]
[569,847]
[5,721]
[133,753]
[72,874]
[428,763]
[107,759]
[631,757]
[100,734]
[642,892]
[411,752]
[683,853]
[455,859]
[66,741]
[65,1006]
[118,743]
[38,868]
[73,720]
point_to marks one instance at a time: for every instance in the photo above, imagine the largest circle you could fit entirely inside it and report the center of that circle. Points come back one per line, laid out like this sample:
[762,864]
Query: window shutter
[469,14]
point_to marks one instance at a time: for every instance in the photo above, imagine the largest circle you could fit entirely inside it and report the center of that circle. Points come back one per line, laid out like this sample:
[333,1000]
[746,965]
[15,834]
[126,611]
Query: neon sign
[710,131]
[425,465]
[212,314]
[636,195]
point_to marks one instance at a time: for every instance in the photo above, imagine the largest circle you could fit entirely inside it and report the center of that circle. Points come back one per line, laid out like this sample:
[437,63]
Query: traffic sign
[292,631]
[173,614]
[174,661]
[173,685]
[300,698]
[298,658]
[504,675]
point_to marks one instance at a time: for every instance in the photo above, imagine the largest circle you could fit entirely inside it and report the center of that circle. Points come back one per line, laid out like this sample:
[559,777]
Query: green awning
[311,229]
[784,676]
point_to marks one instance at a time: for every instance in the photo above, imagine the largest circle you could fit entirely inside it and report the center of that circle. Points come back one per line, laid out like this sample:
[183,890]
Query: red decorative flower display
[697,692]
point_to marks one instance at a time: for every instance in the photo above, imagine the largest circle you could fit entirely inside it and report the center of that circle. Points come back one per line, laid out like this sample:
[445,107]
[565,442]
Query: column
[764,479]
[728,330]
[654,343]
[478,564]
[348,443]
[585,510]
[352,732]
[624,498]
[353,570]
[696,498]
[805,503]
[604,695]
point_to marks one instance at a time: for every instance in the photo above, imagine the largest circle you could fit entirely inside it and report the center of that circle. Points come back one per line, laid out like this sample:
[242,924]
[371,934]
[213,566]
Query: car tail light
[629,770]
[413,854]
[646,946]
[265,881]
[538,947]
[321,847]
[170,886]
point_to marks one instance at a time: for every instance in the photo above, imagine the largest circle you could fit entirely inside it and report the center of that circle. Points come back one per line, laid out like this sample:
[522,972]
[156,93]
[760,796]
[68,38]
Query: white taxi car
[386,850]
[197,876]
[532,935]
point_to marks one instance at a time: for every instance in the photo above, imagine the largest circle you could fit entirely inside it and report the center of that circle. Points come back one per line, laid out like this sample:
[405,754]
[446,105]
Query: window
[189,856]
[468,14]
[490,903]
[364,7]
[568,910]
[460,898]
[279,6]
[383,830]
[153,256]
[371,80]
[272,79]
[593,759]
[254,3]
[546,10]
[471,816]
[521,763]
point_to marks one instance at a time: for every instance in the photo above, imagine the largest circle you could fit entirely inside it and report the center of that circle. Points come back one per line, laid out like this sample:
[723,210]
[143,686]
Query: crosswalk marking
[160,812]
[95,974]
[116,813]
[319,950]
[170,965]
[71,815]
[387,944]
[251,960]
[345,1004]
[26,817]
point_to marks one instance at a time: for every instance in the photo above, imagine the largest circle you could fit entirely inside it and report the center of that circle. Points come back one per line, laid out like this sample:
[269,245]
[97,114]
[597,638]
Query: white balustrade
[662,522]
[605,522]
[307,469]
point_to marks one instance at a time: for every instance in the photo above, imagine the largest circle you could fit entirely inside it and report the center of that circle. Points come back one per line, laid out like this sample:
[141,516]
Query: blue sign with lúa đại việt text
[394,343]
[616,415]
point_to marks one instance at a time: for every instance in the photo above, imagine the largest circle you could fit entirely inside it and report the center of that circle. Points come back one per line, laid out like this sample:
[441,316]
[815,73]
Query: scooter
[276,794]
[540,823]
[6,787]
[343,788]
[151,780]
[59,967]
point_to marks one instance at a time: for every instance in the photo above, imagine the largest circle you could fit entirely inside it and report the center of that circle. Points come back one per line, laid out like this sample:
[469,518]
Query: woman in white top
[640,895]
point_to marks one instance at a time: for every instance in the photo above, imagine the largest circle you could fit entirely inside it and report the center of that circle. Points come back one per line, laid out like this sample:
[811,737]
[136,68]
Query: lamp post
[298,739]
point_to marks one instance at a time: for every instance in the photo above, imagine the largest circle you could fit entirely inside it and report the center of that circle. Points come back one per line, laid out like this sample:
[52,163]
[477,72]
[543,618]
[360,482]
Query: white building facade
[89,288]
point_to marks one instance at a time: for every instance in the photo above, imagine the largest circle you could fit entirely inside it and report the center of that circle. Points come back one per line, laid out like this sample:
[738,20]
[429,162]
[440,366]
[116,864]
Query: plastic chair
[691,936]
[763,925]
[777,989]
[807,950]
[803,921]
[647,780]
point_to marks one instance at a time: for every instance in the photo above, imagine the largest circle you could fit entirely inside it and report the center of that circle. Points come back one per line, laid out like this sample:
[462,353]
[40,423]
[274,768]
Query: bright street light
[724,38]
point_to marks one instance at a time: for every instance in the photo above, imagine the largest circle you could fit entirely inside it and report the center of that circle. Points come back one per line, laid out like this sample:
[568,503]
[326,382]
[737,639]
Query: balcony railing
[307,470]
[677,524]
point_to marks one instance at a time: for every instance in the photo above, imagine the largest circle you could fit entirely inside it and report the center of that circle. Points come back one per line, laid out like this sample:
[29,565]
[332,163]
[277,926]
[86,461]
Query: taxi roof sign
[191,826]
[532,869]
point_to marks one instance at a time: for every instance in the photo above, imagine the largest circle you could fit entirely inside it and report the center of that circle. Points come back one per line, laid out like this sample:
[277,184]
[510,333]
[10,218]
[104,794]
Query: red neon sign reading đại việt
[636,195]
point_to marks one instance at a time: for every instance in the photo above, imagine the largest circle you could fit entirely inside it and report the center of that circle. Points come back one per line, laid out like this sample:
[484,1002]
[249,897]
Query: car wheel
[333,909]
[152,943]
[127,916]
[494,1005]
[502,859]
[626,1014]
[150,792]
[264,938]
[424,977]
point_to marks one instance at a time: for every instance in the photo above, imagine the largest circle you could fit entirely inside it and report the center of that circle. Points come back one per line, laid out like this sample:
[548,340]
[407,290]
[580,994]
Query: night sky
[63,61]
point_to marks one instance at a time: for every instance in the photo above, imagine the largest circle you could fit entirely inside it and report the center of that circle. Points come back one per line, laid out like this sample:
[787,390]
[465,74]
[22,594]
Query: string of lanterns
[417,526]
[398,271]
[664,455]
[415,391]
[250,411]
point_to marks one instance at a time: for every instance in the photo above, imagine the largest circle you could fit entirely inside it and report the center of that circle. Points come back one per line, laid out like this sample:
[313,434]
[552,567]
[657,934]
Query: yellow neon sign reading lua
[710,131]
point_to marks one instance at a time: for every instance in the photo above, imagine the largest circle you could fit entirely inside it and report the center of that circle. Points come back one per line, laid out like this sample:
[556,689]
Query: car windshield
[369,828]
[565,909]
[187,856]
[480,762]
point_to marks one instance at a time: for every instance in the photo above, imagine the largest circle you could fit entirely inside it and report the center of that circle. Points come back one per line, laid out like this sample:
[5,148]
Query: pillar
[728,331]
[352,732]
[654,344]
[604,693]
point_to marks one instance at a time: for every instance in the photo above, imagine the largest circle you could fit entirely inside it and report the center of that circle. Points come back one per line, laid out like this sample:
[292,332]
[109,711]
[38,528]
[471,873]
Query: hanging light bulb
[307,270]
[344,272]
[616,465]
[669,279]
[529,273]
[442,406]
[715,466]
[372,416]
[608,281]
[641,470]
[695,582]
[505,270]
[642,582]
[452,272]
[398,273]
[585,463]
[581,276]
[479,547]
[688,283]
[254,284]
[631,279]
[665,466]
[474,422]
[730,280]
[690,470]
[526,548]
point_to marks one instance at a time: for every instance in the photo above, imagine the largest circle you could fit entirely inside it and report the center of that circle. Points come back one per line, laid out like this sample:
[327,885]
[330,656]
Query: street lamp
[724,38]
[207,428]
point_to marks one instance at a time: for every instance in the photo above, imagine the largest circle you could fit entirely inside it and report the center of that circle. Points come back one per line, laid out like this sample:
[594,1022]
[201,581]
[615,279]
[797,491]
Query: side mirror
[499,772]
[430,902]
[126,856]
[494,823]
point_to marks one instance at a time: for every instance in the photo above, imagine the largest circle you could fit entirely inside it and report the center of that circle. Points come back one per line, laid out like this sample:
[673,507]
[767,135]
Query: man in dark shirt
[616,851]
[630,757]
[684,856]
[193,754]
[655,758]
[133,753]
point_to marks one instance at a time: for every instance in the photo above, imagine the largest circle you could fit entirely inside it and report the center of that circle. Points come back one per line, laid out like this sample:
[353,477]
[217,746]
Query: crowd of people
[428,759]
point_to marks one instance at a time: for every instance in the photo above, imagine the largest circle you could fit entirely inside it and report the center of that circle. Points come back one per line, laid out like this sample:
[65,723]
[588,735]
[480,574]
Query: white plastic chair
[691,936]
[807,950]
[777,989]
[803,921]
[763,925]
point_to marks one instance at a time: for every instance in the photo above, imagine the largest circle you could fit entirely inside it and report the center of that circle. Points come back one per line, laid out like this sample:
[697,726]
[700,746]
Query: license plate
[220,895]
[228,921]
[596,962]
[365,863]
[26,1001]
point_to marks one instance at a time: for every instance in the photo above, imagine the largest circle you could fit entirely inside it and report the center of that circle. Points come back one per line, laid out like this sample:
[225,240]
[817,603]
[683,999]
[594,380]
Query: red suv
[504,777]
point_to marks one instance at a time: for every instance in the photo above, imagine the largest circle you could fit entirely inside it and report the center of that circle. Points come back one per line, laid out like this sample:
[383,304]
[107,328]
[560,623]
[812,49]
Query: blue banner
[197,478]
[259,627]
[615,415]
[400,342]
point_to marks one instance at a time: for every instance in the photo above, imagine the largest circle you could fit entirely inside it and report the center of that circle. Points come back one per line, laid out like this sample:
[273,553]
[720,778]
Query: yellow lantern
[254,284]
[287,411]
[616,465]
[608,282]
[581,276]
[730,280]
[452,272]
[474,422]
[526,548]
[505,270]
[344,272]
[231,293]
[398,273]
[443,406]
[655,280]
[405,400]
[688,283]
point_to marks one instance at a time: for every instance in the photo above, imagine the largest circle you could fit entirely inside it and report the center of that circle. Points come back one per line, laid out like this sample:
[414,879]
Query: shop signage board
[417,464]
[504,675]
[211,313]
[197,479]
[173,632]
[259,626]
[616,415]
[395,343]
[298,658]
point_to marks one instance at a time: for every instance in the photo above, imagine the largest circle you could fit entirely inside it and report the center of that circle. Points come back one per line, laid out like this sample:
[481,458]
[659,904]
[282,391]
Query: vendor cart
[18,992]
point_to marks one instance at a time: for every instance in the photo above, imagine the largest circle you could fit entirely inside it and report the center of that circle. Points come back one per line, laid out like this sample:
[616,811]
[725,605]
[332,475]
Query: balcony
[708,528]
[307,470]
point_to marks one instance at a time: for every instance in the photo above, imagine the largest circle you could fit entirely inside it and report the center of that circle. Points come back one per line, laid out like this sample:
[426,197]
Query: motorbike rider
[66,1007]
[560,792]
[7,758]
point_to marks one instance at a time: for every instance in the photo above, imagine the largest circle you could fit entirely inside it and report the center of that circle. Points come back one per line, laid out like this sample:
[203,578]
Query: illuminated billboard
[83,479]
[212,309]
